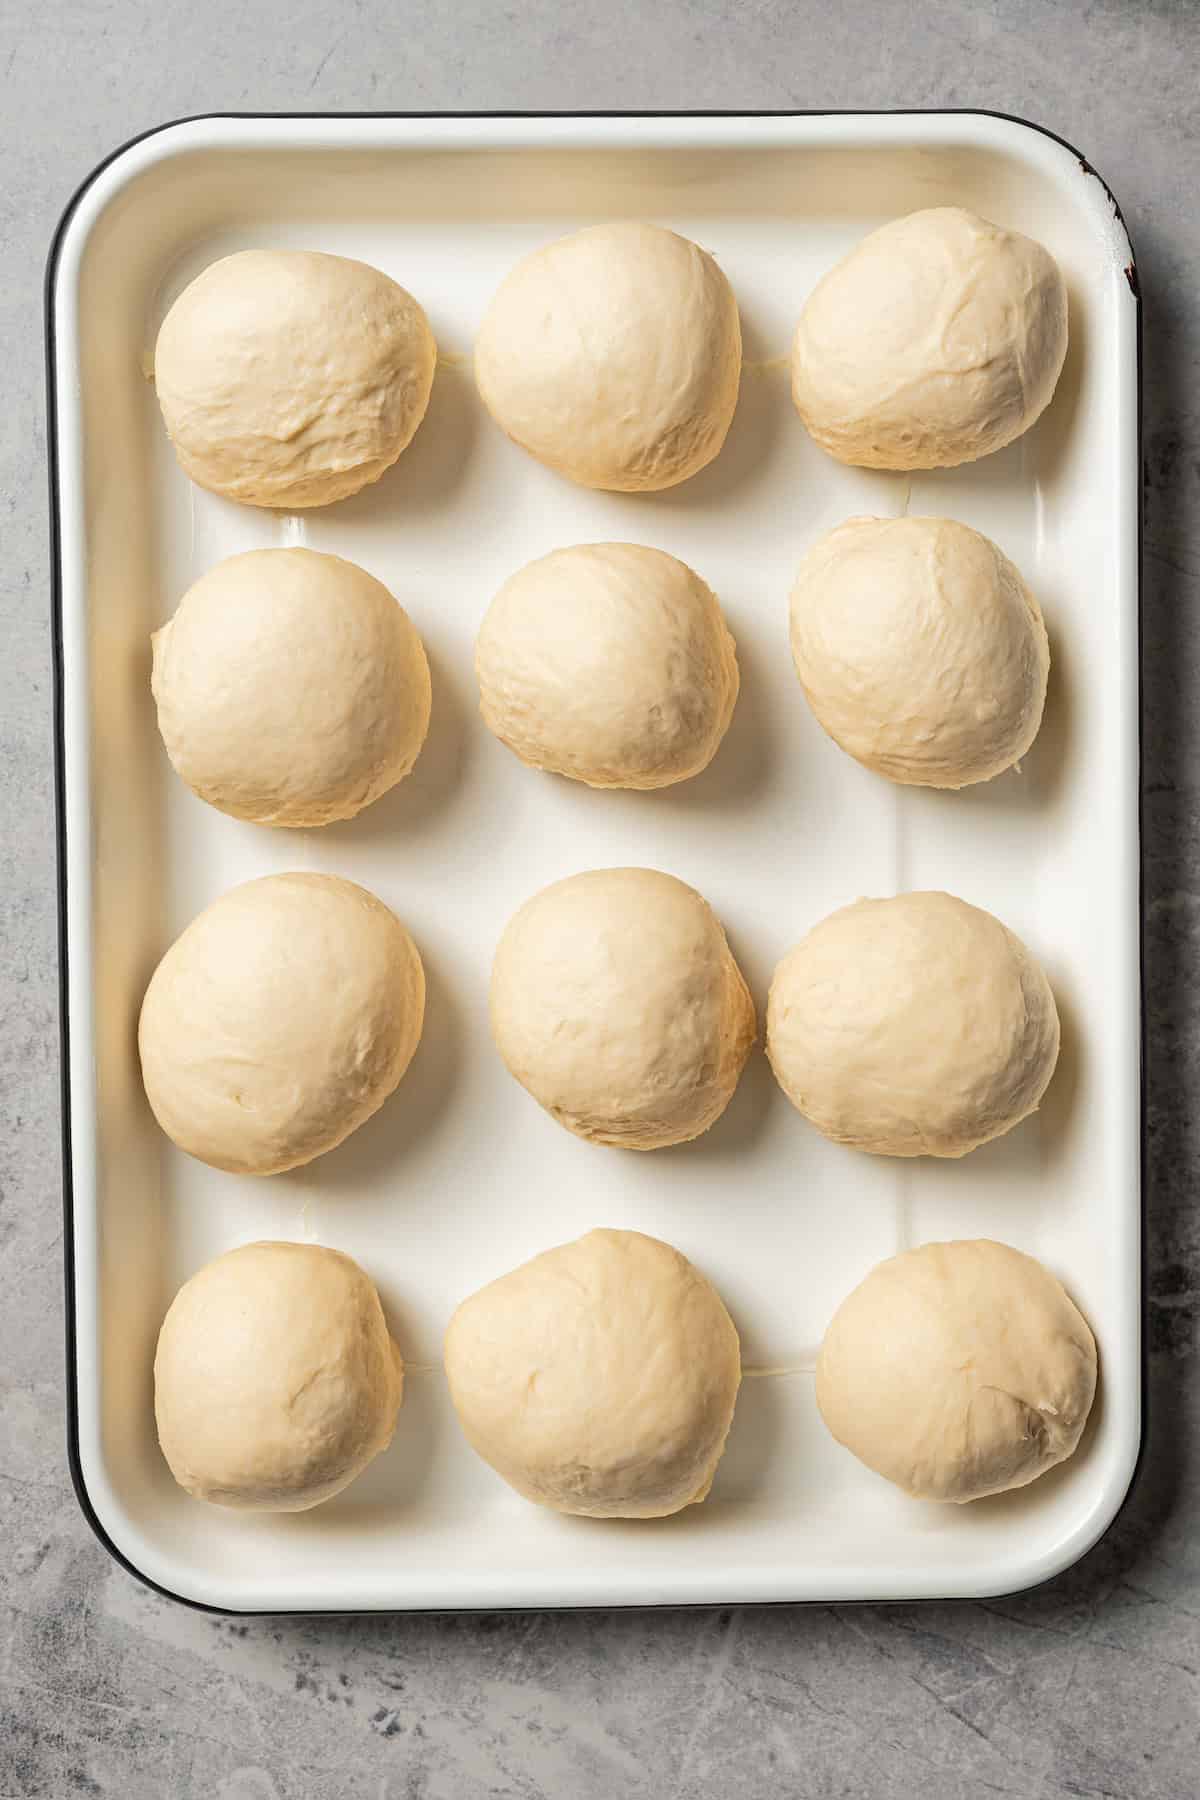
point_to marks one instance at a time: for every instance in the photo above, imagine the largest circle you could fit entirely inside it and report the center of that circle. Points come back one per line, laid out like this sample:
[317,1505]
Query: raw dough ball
[600,1378]
[936,341]
[916,1026]
[616,1002]
[275,1379]
[609,663]
[292,689]
[614,356]
[279,1021]
[288,378]
[920,649]
[958,1370]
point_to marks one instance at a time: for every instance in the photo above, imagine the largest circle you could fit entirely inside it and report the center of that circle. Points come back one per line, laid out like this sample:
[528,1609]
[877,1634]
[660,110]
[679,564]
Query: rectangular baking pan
[461,1176]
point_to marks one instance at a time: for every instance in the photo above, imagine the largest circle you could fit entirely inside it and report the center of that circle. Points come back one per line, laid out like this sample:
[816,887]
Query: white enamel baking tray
[461,1176]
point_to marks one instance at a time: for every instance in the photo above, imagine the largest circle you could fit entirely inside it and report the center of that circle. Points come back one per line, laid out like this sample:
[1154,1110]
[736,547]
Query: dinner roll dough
[937,340]
[275,1379]
[958,1370]
[921,650]
[289,378]
[616,1002]
[609,663]
[292,689]
[600,1378]
[614,356]
[279,1021]
[916,1026]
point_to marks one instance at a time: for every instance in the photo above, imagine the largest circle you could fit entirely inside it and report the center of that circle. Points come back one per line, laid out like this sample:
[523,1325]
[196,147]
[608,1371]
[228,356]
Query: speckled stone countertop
[1089,1687]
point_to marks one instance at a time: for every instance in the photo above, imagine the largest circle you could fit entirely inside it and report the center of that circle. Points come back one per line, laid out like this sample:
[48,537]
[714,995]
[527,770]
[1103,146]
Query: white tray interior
[461,1176]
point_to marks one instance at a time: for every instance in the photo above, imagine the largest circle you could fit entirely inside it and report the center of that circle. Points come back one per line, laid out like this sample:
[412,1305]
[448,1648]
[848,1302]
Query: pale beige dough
[609,663]
[958,1370]
[292,689]
[279,1021]
[915,1026]
[616,1002]
[939,339]
[275,1379]
[614,356]
[600,1378]
[920,649]
[289,378]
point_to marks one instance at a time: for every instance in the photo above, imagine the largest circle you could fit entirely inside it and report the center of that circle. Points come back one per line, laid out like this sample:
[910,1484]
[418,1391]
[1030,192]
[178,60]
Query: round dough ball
[616,1002]
[958,1370]
[936,341]
[279,1021]
[609,663]
[600,1378]
[614,357]
[292,689]
[288,378]
[921,650]
[275,1379]
[916,1026]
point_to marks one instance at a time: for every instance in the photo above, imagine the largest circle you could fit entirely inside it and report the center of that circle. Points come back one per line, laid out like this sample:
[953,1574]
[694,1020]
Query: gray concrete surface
[1090,1687]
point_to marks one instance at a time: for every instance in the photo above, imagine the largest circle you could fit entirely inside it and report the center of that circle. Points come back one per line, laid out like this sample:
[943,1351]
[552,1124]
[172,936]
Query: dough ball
[275,1379]
[279,1021]
[292,689]
[921,650]
[614,357]
[288,378]
[616,1002]
[917,1026]
[600,1378]
[609,663]
[936,341]
[958,1370]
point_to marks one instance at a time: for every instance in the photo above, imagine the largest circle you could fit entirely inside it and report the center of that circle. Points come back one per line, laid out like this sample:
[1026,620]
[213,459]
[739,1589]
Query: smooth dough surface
[279,1021]
[920,649]
[609,663]
[915,1026]
[292,689]
[958,1370]
[937,340]
[275,1380]
[616,1002]
[614,356]
[600,1378]
[289,378]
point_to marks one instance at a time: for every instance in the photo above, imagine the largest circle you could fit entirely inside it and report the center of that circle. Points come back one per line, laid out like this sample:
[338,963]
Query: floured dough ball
[916,1026]
[289,378]
[275,1380]
[921,650]
[616,1002]
[609,663]
[600,1378]
[614,356]
[958,1370]
[292,689]
[279,1021]
[939,339]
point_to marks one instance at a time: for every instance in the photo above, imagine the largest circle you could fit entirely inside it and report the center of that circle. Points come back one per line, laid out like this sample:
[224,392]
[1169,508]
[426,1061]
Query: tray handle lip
[78,1480]
[533,113]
